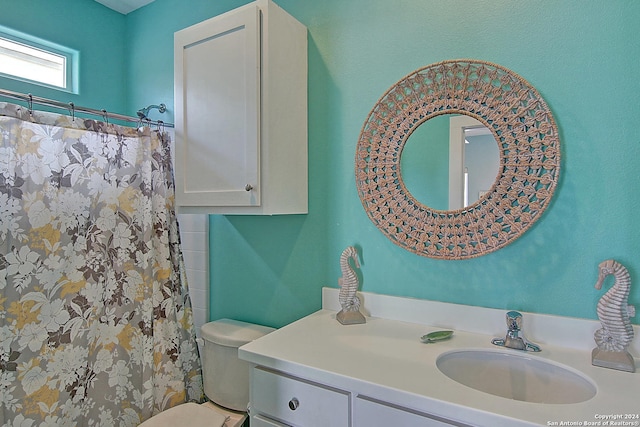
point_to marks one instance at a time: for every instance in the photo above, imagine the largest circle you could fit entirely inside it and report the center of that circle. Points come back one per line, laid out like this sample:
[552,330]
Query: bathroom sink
[516,376]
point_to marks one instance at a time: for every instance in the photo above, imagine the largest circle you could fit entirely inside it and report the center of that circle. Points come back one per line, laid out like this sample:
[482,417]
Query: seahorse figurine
[349,301]
[614,312]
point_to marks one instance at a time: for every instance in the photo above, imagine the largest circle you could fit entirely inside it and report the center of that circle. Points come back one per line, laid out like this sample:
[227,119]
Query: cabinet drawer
[298,402]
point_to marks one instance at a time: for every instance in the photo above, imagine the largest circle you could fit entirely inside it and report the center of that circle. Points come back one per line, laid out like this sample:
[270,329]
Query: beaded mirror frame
[527,137]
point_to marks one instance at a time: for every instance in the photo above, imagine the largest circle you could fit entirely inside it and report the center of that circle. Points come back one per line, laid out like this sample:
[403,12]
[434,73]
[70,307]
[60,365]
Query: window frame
[71,56]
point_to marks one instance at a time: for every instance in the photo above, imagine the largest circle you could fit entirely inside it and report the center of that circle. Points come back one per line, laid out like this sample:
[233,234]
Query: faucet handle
[514,320]
[514,339]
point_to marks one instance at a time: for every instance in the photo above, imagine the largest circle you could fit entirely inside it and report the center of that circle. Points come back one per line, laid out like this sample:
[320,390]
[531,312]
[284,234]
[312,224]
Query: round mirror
[528,148]
[449,162]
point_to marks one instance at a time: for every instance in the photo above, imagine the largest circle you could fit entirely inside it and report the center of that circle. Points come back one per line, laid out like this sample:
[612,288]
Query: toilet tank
[225,376]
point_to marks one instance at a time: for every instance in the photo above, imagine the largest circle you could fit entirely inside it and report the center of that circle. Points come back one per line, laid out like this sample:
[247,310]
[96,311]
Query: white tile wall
[194,232]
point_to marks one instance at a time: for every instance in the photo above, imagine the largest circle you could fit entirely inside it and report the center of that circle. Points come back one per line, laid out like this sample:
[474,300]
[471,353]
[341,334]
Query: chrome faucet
[514,338]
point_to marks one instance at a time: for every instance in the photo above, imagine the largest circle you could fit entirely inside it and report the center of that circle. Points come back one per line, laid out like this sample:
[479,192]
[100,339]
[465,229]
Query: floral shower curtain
[95,320]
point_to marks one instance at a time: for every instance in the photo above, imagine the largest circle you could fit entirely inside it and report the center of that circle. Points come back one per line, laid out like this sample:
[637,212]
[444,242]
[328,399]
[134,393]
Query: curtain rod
[72,108]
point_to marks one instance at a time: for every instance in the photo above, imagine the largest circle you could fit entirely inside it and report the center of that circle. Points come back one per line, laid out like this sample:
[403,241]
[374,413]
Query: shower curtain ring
[72,110]
[30,103]
[105,116]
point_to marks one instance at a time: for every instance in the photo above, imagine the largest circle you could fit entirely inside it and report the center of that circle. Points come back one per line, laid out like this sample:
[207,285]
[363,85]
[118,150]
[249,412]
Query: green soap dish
[436,336]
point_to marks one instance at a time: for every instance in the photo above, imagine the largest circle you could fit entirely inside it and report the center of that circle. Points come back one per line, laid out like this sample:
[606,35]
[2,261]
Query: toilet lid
[192,413]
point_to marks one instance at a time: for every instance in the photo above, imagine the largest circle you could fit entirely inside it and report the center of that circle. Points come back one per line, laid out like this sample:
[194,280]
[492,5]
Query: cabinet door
[260,421]
[372,413]
[217,110]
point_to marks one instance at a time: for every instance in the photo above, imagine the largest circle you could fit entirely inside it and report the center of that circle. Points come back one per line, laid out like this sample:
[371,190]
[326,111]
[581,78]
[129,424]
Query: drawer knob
[293,404]
[248,187]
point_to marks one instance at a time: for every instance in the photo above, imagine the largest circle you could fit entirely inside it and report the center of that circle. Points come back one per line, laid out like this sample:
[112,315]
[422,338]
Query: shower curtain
[95,320]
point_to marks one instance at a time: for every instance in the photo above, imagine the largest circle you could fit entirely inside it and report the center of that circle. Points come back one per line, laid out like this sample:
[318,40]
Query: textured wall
[583,57]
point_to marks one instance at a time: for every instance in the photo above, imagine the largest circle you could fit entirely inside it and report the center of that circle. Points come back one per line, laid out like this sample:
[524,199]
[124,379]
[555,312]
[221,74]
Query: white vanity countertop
[384,359]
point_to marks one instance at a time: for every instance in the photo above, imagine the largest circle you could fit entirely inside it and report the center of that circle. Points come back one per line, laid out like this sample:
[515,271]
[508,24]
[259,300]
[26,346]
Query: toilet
[225,378]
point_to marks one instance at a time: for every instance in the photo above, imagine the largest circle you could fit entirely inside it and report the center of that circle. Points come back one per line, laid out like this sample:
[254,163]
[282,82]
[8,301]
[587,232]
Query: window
[35,61]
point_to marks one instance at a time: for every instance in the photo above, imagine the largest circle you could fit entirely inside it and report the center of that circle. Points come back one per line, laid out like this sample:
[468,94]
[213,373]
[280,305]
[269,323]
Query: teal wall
[96,32]
[582,56]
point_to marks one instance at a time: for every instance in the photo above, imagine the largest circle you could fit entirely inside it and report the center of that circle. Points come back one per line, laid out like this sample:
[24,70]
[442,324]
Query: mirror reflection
[450,162]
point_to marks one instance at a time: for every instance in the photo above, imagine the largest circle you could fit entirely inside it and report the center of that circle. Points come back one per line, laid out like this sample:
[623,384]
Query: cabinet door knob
[248,187]
[293,404]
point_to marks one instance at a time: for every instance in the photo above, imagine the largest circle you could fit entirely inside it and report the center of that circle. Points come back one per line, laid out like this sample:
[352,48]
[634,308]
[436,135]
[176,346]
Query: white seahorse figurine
[614,313]
[349,301]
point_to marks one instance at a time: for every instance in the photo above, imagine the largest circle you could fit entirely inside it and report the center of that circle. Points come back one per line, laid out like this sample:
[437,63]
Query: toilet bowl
[225,378]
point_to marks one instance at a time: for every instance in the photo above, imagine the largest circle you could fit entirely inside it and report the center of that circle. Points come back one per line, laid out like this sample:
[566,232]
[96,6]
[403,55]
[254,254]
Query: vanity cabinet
[380,373]
[279,399]
[241,113]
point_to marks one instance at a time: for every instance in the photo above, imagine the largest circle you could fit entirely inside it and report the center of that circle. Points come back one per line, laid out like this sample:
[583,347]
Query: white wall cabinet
[241,113]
